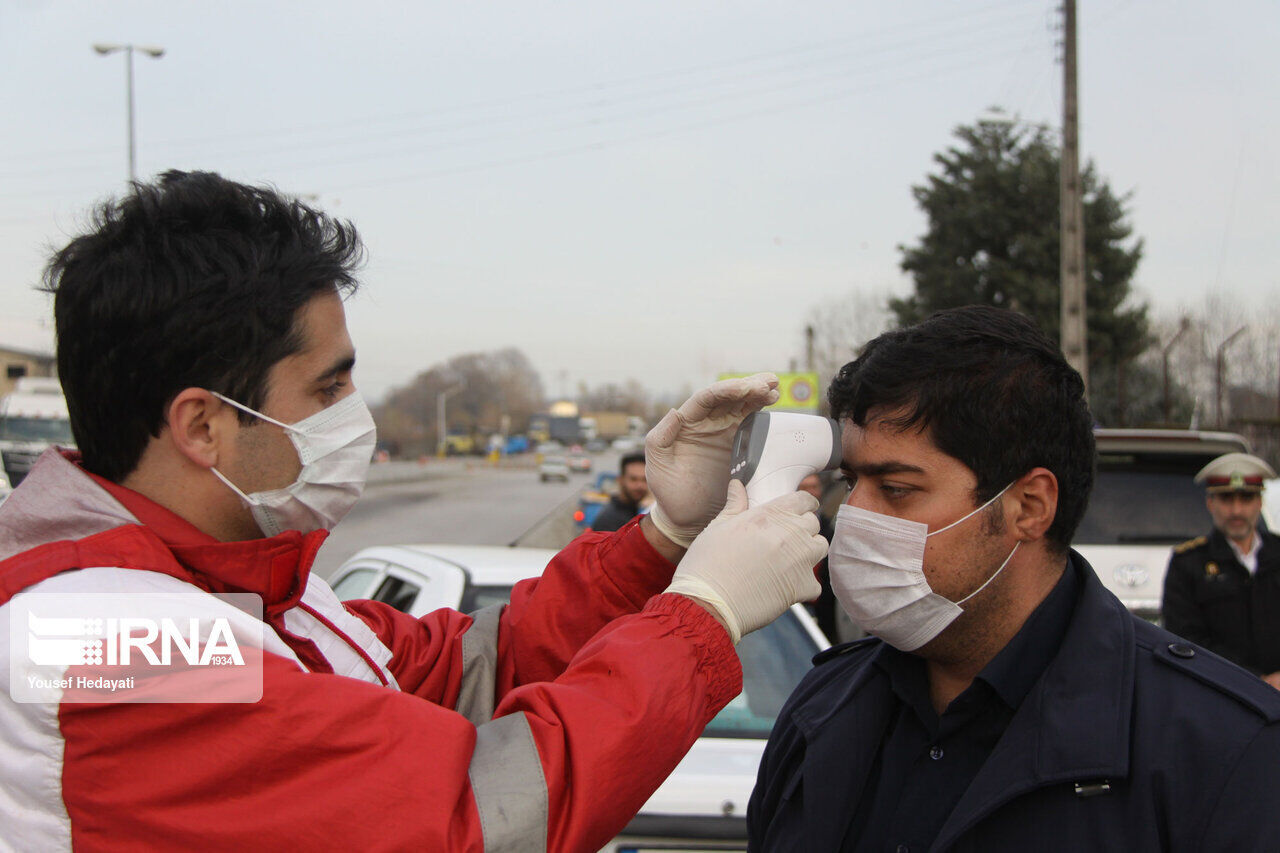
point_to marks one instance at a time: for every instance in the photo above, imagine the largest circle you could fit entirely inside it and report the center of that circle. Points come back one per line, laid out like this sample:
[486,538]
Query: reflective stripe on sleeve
[480,665]
[509,787]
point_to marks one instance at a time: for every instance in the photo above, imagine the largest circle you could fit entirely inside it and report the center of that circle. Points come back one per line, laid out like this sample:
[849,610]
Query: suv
[1144,502]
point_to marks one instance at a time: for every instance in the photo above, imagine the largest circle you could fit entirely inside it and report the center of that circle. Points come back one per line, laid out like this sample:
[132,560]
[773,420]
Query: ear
[200,426]
[1037,494]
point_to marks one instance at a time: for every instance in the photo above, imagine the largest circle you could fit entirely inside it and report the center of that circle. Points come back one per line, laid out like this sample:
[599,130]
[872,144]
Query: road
[457,502]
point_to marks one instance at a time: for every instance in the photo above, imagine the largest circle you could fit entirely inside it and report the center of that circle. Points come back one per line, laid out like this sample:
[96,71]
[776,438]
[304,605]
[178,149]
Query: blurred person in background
[1222,591]
[628,501]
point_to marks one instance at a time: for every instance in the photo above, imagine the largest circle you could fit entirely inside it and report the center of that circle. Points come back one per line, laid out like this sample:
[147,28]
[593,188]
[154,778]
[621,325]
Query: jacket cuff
[718,660]
[644,572]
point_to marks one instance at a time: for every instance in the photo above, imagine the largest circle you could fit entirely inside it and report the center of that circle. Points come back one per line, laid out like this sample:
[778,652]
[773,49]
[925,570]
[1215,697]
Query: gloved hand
[751,564]
[687,455]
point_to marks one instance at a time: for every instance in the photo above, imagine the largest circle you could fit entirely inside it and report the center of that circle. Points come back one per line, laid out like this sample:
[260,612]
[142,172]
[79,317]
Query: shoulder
[827,685]
[854,650]
[1190,678]
[1191,545]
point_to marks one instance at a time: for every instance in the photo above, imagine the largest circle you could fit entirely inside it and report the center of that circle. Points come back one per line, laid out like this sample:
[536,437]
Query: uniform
[1214,601]
[1210,597]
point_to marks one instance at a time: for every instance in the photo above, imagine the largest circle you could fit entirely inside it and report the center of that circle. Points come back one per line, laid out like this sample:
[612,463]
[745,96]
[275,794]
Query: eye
[331,392]
[845,479]
[894,492]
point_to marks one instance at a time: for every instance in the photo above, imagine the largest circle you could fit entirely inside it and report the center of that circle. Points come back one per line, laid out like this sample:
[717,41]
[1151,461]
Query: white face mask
[876,565]
[334,446]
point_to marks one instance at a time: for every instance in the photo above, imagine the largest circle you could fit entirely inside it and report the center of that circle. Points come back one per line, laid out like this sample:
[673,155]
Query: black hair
[992,390]
[190,281]
[629,459]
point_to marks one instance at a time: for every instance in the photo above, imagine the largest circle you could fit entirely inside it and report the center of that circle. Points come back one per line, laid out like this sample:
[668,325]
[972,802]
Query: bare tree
[841,326]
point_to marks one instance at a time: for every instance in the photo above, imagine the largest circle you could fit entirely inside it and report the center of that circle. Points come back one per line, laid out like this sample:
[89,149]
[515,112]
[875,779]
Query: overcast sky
[657,190]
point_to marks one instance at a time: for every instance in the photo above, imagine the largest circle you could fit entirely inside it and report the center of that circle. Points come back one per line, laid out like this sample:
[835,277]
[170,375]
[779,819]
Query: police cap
[1235,472]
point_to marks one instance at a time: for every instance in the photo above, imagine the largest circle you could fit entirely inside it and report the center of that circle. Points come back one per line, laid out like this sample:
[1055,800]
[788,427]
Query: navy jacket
[1132,739]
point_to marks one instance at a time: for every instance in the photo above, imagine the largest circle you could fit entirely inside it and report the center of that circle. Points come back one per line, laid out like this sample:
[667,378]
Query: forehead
[1235,496]
[881,442]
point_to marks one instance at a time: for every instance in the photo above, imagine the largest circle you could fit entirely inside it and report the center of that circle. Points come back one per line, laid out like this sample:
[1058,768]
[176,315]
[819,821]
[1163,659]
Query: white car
[1144,502]
[553,468]
[702,805]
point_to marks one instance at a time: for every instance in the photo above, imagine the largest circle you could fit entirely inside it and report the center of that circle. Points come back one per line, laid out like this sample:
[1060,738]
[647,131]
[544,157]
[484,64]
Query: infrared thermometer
[774,451]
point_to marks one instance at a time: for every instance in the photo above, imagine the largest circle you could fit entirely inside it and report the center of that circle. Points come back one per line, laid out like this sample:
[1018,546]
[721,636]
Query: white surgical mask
[334,446]
[876,565]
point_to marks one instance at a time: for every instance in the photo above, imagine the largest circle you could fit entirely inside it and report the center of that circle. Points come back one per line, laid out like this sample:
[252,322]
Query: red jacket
[544,727]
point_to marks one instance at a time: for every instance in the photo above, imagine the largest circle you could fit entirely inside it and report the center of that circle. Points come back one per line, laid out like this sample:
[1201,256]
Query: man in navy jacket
[1006,700]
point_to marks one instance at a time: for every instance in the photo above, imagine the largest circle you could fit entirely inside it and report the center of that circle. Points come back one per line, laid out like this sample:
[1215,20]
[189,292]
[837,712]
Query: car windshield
[45,430]
[1145,499]
[774,659]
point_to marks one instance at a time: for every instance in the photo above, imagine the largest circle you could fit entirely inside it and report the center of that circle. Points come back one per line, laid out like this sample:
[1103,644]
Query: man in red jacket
[204,354]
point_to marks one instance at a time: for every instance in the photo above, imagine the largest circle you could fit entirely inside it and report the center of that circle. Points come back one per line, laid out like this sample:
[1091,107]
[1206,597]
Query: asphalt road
[456,502]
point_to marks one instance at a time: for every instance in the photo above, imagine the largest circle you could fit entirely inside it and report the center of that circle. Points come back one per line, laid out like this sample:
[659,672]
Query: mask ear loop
[232,486]
[250,411]
[994,498]
[993,577]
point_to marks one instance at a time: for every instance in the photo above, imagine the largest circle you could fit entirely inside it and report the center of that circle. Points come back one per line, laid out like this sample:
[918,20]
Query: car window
[1145,499]
[397,592]
[774,659]
[355,584]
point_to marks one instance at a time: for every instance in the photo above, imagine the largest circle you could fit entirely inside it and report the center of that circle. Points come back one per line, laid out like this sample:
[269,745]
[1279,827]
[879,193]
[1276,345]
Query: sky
[661,191]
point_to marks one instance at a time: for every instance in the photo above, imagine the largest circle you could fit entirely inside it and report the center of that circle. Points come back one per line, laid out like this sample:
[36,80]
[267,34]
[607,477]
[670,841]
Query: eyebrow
[343,365]
[879,469]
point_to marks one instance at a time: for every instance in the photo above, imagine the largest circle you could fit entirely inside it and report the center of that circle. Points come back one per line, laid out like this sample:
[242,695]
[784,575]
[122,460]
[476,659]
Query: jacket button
[1182,650]
[935,753]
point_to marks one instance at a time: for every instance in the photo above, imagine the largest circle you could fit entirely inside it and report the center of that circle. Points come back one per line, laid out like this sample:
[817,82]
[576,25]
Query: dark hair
[190,281]
[630,459]
[992,390]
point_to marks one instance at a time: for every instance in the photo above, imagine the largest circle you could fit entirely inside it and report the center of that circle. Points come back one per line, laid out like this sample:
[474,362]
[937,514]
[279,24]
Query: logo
[68,642]
[1131,574]
[148,647]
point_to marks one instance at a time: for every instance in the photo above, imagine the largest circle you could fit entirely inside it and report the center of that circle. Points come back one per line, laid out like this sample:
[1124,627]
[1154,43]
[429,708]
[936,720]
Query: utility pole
[808,348]
[1071,212]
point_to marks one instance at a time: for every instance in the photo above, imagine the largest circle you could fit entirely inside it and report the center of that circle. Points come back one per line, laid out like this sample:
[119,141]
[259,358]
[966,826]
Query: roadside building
[16,363]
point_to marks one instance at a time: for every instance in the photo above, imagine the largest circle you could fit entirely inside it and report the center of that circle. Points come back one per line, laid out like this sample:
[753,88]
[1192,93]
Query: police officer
[1222,591]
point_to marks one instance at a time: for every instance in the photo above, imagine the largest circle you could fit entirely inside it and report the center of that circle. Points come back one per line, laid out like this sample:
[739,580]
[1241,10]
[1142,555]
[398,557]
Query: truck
[565,429]
[611,425]
[33,417]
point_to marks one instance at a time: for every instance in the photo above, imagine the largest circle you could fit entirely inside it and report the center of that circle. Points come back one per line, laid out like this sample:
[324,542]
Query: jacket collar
[1073,725]
[60,500]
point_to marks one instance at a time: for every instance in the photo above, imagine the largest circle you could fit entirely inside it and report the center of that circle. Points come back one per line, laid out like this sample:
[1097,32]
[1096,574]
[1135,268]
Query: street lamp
[128,49]
[440,420]
[1183,326]
[1221,367]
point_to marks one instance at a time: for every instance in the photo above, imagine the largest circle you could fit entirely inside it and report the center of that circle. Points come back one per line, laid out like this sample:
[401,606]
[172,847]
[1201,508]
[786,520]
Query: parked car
[627,444]
[1144,502]
[702,805]
[553,468]
[580,463]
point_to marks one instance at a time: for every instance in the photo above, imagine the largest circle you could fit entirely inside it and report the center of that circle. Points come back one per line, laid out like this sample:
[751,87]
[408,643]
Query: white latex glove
[751,564]
[687,455]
